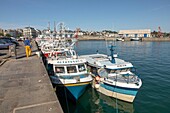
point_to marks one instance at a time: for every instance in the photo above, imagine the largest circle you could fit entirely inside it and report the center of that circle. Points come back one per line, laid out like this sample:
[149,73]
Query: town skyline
[88,15]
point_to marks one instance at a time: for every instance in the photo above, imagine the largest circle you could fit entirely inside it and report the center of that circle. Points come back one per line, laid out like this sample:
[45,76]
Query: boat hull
[125,94]
[120,96]
[119,39]
[74,90]
[77,90]
[135,39]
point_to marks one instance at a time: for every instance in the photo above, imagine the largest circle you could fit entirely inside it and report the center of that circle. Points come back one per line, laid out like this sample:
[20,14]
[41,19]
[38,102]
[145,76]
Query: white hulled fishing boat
[135,39]
[114,77]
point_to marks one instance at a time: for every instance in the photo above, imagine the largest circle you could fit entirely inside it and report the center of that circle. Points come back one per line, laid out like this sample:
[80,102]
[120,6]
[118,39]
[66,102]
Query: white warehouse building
[135,33]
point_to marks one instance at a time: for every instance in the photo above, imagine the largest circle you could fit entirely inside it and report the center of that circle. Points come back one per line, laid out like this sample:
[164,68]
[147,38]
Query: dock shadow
[24,56]
[20,57]
[2,54]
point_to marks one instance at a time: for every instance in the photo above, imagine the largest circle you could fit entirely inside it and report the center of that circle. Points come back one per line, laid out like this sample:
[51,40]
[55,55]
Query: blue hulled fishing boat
[70,73]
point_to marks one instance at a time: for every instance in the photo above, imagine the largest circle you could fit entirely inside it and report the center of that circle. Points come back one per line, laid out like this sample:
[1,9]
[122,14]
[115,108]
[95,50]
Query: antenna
[49,26]
[54,27]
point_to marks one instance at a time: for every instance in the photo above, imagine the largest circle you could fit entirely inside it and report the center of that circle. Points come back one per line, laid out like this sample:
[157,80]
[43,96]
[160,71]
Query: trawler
[64,66]
[114,77]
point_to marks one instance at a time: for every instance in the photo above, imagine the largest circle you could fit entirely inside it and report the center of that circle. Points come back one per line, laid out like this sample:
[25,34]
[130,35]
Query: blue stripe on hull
[77,91]
[120,90]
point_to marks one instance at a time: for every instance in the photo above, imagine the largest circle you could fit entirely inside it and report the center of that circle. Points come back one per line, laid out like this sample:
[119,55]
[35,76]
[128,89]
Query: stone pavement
[4,55]
[25,86]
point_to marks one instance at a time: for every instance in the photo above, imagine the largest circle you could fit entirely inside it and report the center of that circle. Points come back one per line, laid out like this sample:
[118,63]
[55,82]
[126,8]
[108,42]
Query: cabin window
[81,68]
[94,71]
[128,69]
[59,70]
[123,70]
[112,71]
[68,53]
[117,71]
[71,69]
[74,53]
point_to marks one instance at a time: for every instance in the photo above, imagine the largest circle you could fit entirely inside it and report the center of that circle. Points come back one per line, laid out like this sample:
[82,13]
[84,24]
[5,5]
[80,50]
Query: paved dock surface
[25,86]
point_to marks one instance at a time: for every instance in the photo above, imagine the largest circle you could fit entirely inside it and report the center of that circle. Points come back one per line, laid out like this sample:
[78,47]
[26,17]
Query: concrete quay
[25,86]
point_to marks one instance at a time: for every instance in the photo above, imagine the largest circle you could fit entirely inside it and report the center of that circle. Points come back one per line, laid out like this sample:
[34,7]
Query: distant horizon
[52,29]
[89,15]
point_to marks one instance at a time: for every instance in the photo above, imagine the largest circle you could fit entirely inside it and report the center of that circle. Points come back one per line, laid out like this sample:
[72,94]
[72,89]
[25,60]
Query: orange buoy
[97,78]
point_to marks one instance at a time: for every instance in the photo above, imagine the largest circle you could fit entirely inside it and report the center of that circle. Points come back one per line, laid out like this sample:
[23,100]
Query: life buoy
[97,78]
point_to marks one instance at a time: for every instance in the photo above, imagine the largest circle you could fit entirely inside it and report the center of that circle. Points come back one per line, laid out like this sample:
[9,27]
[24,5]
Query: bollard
[13,51]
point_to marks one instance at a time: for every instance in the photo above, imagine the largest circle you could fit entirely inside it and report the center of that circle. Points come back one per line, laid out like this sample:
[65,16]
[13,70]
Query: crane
[77,31]
[159,32]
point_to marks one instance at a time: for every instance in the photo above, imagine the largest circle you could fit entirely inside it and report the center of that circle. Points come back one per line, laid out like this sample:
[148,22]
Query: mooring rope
[66,100]
[116,96]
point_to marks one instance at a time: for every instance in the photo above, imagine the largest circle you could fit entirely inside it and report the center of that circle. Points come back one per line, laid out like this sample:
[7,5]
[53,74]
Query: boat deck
[101,60]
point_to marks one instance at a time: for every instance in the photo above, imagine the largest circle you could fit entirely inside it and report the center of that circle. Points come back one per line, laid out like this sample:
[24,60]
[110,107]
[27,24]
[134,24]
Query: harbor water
[152,60]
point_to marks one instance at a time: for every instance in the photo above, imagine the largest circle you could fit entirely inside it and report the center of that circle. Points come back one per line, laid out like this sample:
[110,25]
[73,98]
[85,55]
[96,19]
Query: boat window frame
[62,72]
[73,71]
[68,53]
[112,70]
[73,53]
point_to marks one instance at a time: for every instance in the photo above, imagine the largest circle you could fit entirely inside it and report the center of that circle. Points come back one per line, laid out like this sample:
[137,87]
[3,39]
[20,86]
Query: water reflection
[95,102]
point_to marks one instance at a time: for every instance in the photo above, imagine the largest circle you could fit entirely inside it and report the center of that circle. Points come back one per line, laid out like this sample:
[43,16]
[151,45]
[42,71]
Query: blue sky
[91,15]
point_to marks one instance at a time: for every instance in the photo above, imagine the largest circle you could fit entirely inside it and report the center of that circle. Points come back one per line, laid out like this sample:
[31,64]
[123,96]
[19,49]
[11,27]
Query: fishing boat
[66,69]
[54,47]
[114,77]
[70,72]
[135,39]
[120,39]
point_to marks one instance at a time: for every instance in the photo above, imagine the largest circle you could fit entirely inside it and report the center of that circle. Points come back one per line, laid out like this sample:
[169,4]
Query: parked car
[20,39]
[10,40]
[5,45]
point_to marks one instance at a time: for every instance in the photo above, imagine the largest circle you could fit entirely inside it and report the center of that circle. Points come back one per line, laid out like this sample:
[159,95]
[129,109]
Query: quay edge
[25,86]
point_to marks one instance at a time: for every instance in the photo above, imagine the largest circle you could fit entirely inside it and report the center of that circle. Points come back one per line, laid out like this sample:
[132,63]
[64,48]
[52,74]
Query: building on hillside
[1,31]
[135,33]
[111,35]
[29,32]
[11,32]
[19,32]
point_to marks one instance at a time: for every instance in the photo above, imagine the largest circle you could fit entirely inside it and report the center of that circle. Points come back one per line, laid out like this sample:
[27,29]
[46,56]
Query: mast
[54,27]
[112,53]
[48,26]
